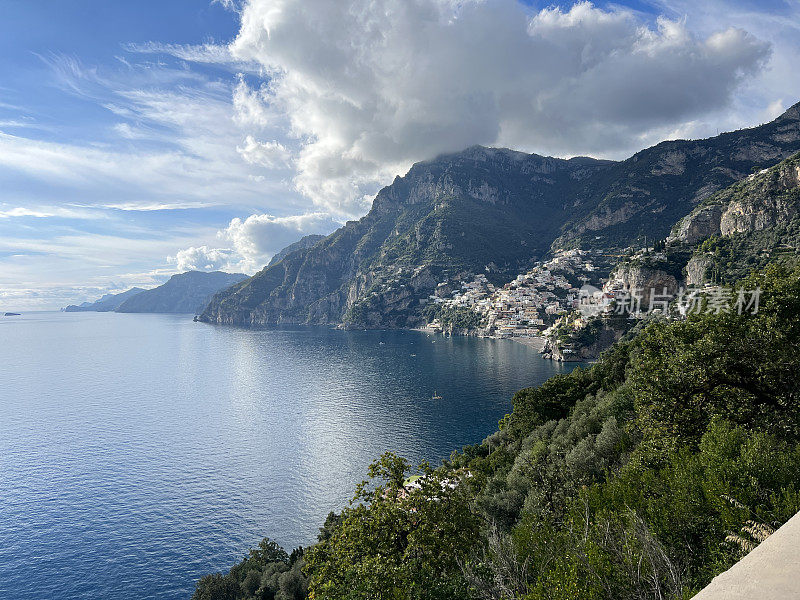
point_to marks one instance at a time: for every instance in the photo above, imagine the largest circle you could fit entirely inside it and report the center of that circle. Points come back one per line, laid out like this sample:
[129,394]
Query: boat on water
[435,396]
[10,314]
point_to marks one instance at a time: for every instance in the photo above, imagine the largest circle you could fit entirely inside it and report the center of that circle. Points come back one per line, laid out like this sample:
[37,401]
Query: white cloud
[253,241]
[272,155]
[370,86]
[779,23]
[203,258]
[179,149]
[258,237]
[251,106]
[44,212]
[153,206]
[202,53]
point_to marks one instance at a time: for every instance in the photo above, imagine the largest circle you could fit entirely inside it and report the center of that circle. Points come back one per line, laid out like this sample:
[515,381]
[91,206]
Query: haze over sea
[139,452]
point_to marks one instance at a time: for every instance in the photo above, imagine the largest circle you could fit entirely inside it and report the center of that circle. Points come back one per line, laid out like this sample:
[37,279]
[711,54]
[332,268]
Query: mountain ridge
[492,210]
[184,293]
[106,303]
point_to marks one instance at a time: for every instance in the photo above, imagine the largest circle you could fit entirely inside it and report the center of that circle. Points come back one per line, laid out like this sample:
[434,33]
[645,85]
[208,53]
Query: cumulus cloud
[258,237]
[370,86]
[272,155]
[252,242]
[203,258]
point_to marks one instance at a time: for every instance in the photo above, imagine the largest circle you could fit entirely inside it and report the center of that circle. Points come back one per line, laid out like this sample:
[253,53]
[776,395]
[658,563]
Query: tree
[396,541]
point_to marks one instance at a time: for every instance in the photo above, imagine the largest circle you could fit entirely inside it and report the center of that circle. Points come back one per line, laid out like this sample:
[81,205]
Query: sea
[140,452]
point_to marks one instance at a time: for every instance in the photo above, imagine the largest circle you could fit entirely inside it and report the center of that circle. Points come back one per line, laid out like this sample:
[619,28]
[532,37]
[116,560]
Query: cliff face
[463,213]
[700,224]
[697,268]
[745,226]
[647,193]
[760,201]
[769,201]
[648,280]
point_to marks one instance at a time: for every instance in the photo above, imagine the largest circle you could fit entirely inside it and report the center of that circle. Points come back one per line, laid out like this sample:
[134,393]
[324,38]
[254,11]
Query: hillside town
[532,303]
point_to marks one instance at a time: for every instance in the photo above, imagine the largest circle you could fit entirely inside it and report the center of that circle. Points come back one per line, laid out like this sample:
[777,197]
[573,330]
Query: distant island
[185,293]
[107,303]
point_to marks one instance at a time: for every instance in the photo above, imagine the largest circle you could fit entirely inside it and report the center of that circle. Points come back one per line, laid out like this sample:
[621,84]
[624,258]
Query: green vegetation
[453,317]
[391,543]
[671,259]
[731,257]
[635,478]
[267,574]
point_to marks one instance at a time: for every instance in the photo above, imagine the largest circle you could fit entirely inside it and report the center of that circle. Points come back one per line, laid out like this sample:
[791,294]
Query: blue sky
[139,139]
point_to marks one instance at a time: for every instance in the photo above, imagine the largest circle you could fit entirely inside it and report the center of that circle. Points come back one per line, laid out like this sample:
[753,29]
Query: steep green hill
[746,226]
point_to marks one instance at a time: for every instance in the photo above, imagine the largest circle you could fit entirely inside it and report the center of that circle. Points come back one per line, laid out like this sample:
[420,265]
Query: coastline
[535,342]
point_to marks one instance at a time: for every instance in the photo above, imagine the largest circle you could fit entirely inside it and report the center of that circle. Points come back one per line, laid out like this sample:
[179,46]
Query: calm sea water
[139,452]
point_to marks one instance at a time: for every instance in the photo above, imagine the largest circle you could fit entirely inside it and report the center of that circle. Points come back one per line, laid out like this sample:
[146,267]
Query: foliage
[268,573]
[732,257]
[453,317]
[394,542]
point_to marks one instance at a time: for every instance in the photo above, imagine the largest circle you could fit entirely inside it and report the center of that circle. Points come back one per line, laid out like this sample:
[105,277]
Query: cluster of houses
[531,303]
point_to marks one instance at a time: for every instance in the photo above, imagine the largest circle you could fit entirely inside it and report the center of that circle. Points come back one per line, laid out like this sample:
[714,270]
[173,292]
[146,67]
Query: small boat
[10,314]
[435,396]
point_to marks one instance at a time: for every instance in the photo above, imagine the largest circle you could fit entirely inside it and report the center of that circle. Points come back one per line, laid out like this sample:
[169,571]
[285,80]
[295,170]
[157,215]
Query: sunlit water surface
[139,452]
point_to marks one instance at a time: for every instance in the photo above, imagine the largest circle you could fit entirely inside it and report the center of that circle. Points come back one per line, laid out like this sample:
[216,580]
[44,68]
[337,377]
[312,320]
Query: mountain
[301,244]
[647,193]
[107,303]
[477,210]
[746,226]
[492,211]
[184,293]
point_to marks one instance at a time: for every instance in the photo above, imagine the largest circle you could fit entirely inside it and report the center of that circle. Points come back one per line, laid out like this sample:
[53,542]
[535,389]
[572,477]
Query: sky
[142,139]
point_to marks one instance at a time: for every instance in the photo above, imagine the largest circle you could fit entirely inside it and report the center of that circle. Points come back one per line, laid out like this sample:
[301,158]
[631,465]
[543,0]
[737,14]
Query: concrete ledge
[770,572]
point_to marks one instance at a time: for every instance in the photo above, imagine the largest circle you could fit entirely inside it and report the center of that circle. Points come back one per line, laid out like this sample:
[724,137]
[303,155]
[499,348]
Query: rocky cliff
[481,210]
[646,194]
[648,279]
[747,225]
[760,201]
